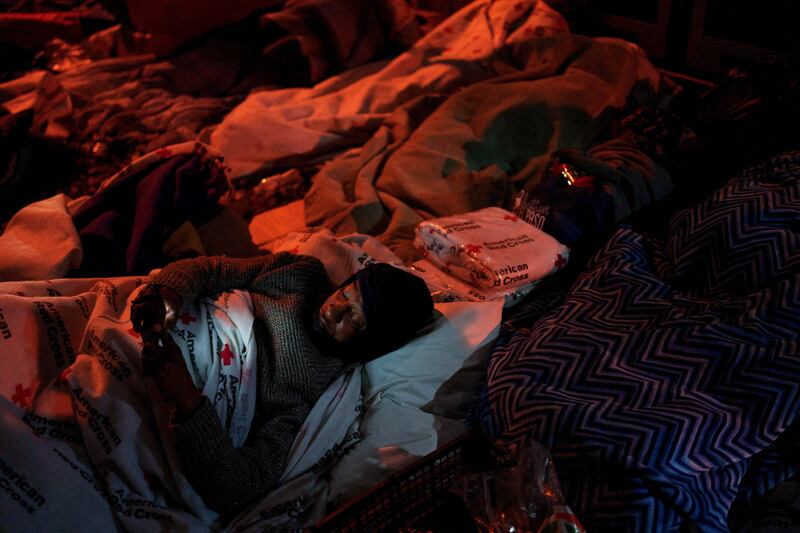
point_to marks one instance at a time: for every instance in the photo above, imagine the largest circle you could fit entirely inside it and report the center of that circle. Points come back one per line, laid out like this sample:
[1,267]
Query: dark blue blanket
[668,378]
[123,226]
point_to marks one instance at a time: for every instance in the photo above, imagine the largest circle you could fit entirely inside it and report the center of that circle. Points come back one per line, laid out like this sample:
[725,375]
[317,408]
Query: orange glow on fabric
[569,174]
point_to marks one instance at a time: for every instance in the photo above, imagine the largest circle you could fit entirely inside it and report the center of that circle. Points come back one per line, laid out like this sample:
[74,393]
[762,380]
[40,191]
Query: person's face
[342,313]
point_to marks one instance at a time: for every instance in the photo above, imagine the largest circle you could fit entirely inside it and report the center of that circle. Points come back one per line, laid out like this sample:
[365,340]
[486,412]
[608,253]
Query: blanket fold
[124,225]
[40,242]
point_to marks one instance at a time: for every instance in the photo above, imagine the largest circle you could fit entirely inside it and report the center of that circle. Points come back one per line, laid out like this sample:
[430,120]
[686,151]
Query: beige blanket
[273,130]
[444,128]
[442,155]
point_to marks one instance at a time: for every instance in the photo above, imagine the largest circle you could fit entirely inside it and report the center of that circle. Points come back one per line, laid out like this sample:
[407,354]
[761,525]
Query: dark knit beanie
[397,304]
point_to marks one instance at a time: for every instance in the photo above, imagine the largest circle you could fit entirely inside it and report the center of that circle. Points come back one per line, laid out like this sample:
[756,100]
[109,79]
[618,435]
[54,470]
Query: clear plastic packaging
[446,288]
[491,249]
[519,493]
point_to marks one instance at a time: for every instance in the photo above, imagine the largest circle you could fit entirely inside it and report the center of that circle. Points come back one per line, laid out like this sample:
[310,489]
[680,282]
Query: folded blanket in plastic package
[492,249]
[446,288]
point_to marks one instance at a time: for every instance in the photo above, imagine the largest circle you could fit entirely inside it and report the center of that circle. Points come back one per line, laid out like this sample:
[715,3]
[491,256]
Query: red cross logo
[186,318]
[226,355]
[21,396]
[560,261]
[473,249]
[512,218]
[164,153]
[65,374]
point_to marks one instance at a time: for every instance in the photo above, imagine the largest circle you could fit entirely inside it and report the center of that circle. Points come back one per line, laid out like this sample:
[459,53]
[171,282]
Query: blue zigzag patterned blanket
[664,382]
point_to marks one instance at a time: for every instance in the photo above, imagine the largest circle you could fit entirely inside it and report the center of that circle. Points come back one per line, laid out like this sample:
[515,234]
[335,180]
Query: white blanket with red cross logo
[84,442]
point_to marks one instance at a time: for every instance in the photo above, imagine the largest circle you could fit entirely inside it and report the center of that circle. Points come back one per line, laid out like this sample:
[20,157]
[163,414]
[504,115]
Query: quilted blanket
[667,382]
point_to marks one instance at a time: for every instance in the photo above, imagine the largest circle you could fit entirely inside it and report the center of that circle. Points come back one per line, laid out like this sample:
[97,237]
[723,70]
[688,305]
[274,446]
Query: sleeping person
[306,333]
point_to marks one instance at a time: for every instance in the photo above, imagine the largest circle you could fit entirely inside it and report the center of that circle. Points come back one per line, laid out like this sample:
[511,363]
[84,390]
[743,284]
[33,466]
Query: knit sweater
[292,373]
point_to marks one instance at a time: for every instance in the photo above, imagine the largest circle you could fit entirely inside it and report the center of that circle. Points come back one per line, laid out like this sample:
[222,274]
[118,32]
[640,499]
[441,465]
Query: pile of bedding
[447,127]
[661,378]
[666,380]
[76,407]
[466,115]
[107,100]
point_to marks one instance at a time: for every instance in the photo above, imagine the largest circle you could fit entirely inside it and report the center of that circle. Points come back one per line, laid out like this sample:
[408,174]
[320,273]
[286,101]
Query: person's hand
[163,361]
[154,310]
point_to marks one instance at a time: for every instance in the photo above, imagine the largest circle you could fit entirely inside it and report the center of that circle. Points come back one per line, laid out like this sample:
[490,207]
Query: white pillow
[417,396]
[413,401]
[442,371]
